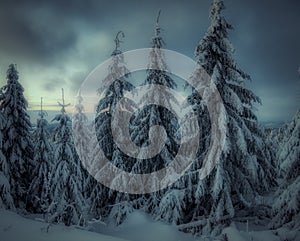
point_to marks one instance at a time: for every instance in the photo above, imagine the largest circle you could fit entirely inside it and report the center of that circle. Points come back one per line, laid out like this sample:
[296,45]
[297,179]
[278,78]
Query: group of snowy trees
[41,172]
[37,174]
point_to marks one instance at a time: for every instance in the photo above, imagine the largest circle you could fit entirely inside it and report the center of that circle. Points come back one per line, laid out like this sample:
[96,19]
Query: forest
[256,180]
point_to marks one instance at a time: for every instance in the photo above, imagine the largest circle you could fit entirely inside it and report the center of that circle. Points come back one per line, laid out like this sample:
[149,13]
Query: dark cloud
[30,33]
[76,79]
[49,33]
[267,38]
[53,84]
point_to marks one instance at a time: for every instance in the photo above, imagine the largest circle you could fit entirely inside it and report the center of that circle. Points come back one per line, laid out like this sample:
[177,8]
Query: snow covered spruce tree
[286,208]
[105,108]
[39,193]
[172,205]
[152,115]
[112,95]
[175,205]
[289,145]
[17,144]
[82,140]
[6,200]
[245,168]
[67,201]
[274,140]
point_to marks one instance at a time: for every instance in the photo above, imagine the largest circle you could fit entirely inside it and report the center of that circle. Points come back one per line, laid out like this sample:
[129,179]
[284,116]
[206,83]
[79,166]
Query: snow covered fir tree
[286,207]
[16,139]
[91,189]
[6,199]
[245,169]
[82,137]
[118,75]
[112,95]
[66,191]
[255,184]
[151,115]
[39,188]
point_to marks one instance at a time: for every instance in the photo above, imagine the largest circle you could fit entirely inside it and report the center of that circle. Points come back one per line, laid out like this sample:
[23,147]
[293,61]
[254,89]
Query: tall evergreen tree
[286,207]
[245,168]
[17,144]
[289,150]
[274,140]
[81,128]
[39,195]
[105,108]
[152,115]
[112,96]
[82,140]
[67,201]
[6,200]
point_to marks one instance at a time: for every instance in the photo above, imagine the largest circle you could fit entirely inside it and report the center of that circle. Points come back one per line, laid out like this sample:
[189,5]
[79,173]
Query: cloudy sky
[57,43]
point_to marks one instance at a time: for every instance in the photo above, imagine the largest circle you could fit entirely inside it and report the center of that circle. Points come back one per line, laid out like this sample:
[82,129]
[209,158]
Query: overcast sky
[57,43]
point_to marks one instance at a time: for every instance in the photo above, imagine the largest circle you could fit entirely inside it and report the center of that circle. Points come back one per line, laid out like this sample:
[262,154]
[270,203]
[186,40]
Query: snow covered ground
[16,228]
[238,232]
[138,227]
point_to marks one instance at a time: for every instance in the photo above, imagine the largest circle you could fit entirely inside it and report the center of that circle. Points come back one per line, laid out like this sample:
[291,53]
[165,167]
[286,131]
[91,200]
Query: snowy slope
[138,227]
[141,227]
[240,232]
[16,228]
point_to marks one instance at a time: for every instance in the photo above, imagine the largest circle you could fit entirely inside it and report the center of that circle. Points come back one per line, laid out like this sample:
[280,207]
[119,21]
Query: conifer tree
[92,190]
[245,168]
[6,200]
[17,144]
[82,140]
[105,108]
[286,208]
[172,205]
[152,115]
[67,202]
[111,97]
[39,195]
[274,140]
[289,145]
[120,211]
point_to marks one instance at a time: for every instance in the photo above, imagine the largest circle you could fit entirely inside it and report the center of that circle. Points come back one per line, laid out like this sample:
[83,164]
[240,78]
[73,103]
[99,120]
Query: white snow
[16,228]
[137,227]
[140,227]
[238,232]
